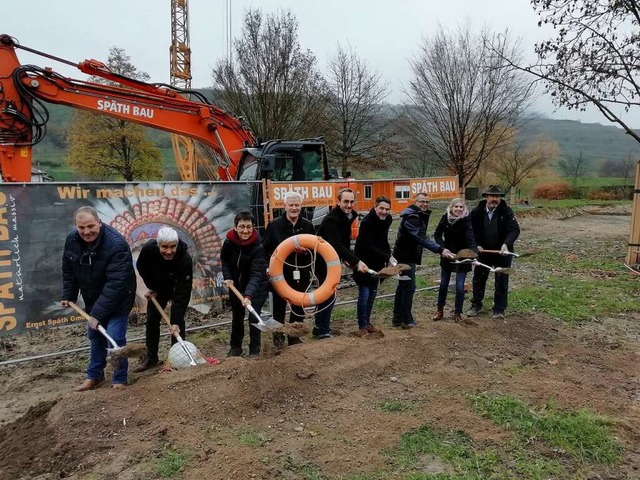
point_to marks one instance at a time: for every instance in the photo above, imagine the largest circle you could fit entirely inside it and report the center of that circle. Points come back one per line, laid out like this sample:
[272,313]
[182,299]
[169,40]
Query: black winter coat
[336,229]
[245,264]
[455,237]
[372,246]
[170,279]
[412,236]
[508,228]
[102,272]
[277,232]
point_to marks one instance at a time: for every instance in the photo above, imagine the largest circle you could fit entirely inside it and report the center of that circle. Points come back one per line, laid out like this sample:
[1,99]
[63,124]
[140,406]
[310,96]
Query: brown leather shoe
[363,332]
[457,317]
[89,384]
[439,315]
[118,386]
[372,329]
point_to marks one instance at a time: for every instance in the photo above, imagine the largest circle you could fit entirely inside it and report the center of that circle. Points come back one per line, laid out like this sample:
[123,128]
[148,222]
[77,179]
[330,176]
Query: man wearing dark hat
[495,228]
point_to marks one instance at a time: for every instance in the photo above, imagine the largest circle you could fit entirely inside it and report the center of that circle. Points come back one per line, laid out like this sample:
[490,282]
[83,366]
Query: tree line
[468,98]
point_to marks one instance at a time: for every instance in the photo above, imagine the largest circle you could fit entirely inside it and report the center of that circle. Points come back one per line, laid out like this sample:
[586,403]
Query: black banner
[36,218]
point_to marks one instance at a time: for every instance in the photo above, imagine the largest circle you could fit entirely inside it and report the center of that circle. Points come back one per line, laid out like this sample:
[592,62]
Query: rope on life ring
[315,244]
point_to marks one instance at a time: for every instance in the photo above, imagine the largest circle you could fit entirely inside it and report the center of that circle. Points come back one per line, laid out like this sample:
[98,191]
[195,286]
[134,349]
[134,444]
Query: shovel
[392,271]
[503,270]
[130,350]
[192,360]
[466,253]
[267,325]
[515,255]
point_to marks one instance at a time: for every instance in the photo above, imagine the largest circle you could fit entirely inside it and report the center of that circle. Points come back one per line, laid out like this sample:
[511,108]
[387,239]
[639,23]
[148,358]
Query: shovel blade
[267,325]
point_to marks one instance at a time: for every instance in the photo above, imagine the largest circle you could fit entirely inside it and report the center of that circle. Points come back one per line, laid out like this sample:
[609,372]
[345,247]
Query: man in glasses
[167,270]
[97,262]
[336,229]
[411,240]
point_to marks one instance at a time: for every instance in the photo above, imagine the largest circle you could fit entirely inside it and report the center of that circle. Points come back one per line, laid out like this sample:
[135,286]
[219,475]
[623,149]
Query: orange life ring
[322,248]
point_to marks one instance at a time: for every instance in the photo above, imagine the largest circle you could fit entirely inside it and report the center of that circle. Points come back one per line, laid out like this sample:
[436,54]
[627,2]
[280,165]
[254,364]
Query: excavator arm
[23,88]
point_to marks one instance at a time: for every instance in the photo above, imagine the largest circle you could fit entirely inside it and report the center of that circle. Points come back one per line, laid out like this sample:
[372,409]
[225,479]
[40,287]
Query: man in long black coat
[495,228]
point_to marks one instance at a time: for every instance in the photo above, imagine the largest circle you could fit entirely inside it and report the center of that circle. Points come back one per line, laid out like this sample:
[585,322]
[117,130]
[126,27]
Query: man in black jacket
[297,266]
[336,230]
[412,238]
[167,270]
[372,246]
[495,228]
[245,268]
[97,262]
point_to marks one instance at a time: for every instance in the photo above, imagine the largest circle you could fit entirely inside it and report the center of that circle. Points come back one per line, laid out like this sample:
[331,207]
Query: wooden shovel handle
[161,310]
[237,292]
[492,251]
[86,316]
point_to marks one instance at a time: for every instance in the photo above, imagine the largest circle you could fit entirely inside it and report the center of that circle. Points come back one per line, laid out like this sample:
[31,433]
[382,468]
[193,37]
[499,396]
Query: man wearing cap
[495,228]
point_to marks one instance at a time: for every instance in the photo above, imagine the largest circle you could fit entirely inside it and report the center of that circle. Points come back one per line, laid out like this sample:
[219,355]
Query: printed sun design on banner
[194,217]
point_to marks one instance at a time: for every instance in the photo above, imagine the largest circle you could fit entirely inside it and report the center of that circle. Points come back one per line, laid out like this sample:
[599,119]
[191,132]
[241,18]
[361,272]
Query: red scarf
[235,238]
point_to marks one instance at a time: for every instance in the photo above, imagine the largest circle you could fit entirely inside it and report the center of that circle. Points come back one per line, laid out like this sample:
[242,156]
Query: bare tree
[271,82]
[357,124]
[462,103]
[573,167]
[518,161]
[593,60]
[628,168]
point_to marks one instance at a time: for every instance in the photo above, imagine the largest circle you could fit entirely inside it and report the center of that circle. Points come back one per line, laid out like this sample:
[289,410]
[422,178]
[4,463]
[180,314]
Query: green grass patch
[393,406]
[303,470]
[575,299]
[170,464]
[444,454]
[383,305]
[582,434]
[344,313]
[251,438]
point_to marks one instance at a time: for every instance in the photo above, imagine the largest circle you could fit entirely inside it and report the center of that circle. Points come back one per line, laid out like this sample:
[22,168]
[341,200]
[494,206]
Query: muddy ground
[316,403]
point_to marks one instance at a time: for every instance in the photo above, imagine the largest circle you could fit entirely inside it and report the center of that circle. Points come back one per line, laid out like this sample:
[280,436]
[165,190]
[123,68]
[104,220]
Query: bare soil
[315,403]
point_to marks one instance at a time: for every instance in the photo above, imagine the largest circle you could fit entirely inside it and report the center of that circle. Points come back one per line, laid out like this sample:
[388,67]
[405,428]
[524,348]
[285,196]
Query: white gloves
[392,261]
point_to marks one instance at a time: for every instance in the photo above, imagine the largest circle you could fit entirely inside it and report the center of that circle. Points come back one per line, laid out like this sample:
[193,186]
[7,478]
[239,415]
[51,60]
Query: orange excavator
[25,90]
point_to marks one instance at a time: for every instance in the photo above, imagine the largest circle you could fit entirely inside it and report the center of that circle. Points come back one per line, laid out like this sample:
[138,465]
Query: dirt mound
[314,411]
[310,399]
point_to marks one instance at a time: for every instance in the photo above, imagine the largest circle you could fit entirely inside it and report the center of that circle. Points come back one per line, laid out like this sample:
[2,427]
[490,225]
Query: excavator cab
[283,161]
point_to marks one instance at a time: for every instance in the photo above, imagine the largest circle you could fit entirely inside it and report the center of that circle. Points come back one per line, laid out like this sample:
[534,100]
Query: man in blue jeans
[336,230]
[97,263]
[372,246]
[412,238]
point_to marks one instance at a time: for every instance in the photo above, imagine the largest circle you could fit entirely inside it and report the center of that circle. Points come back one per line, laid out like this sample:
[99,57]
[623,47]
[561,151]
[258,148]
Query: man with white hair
[297,267]
[167,270]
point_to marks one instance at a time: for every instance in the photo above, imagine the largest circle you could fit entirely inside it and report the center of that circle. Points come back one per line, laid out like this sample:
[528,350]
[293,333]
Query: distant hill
[597,142]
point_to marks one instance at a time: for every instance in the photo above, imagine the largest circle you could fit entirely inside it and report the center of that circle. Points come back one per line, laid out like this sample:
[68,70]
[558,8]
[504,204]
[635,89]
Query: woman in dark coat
[454,232]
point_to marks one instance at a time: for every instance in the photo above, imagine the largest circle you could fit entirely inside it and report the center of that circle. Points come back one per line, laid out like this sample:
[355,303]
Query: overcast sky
[386,34]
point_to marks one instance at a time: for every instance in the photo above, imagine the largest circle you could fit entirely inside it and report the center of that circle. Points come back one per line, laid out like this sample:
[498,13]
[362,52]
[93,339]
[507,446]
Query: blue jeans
[445,277]
[366,296]
[404,297]
[323,317]
[117,329]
